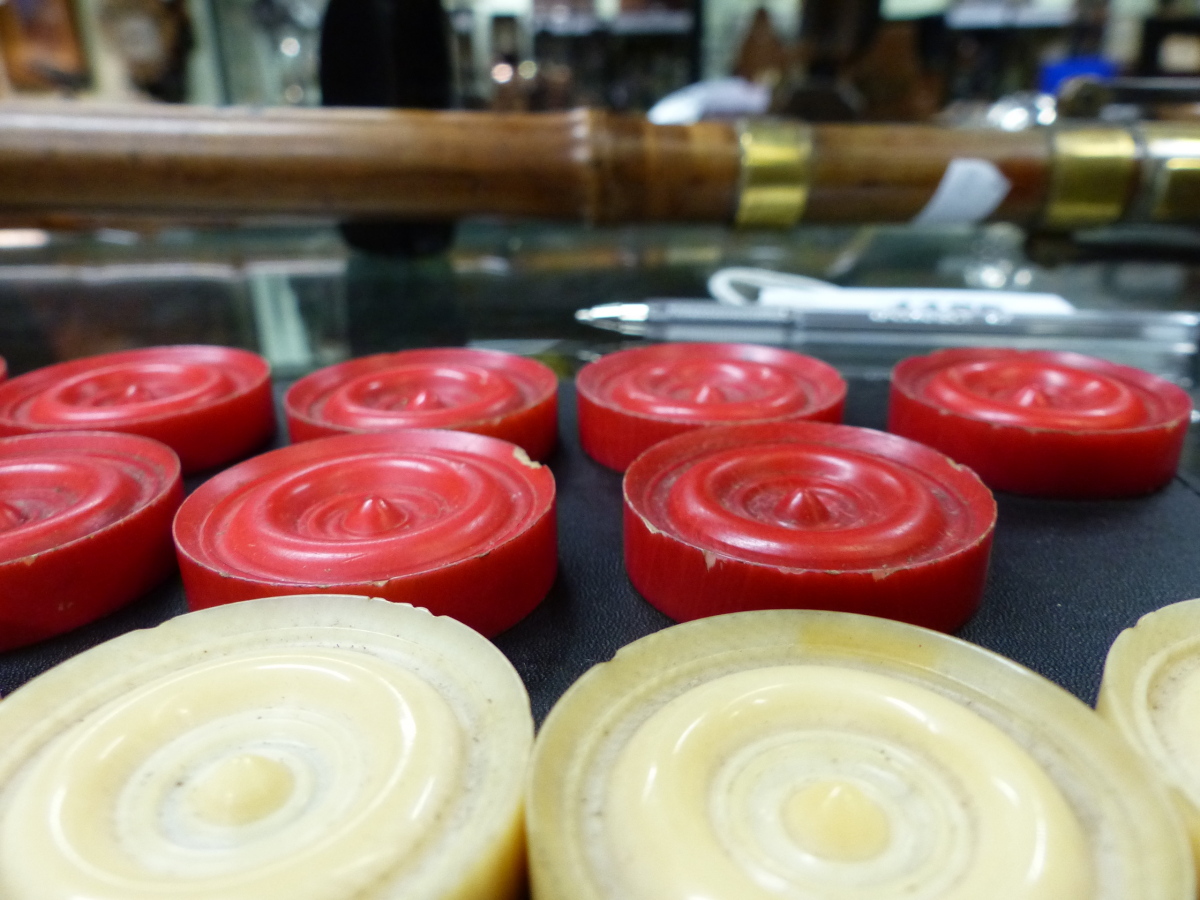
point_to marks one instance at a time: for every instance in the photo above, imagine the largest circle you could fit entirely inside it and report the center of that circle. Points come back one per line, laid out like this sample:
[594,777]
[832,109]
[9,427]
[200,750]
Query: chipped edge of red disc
[1039,461]
[54,590]
[533,426]
[204,437]
[686,581]
[490,591]
[614,436]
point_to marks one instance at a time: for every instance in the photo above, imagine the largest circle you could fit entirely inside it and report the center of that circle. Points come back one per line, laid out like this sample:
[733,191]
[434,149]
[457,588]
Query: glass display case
[249,229]
[1065,576]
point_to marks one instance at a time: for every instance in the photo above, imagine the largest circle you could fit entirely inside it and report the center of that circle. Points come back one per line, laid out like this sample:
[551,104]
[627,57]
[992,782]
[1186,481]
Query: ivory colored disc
[1151,693]
[300,748]
[825,756]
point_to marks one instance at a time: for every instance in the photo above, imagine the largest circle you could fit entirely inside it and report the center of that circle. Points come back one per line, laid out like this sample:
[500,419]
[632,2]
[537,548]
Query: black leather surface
[1065,578]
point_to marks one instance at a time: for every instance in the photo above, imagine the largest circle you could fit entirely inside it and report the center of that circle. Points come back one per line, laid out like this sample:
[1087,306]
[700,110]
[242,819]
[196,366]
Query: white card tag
[969,192]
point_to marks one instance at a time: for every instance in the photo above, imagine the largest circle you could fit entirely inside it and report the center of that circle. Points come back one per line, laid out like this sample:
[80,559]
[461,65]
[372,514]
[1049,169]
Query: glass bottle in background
[152,39]
[570,55]
[268,50]
[763,56]
[563,13]
[462,47]
[727,24]
[652,52]
[508,88]
[504,54]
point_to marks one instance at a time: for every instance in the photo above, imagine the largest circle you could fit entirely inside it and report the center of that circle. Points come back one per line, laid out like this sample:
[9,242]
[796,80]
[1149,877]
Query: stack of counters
[85,527]
[806,515]
[301,748]
[808,754]
[1151,693]
[1043,423]
[209,404]
[630,400]
[460,523]
[482,391]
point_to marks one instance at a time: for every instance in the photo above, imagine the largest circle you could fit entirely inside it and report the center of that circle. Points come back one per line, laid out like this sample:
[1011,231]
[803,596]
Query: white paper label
[969,192]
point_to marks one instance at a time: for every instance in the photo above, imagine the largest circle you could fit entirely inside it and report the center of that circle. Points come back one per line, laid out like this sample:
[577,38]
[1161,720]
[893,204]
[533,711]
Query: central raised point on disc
[836,821]
[241,790]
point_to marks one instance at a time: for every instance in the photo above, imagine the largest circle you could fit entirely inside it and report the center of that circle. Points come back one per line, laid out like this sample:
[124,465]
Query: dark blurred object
[1085,36]
[1086,97]
[834,33]
[510,92]
[153,39]
[646,65]
[1166,80]
[626,63]
[1000,47]
[1122,243]
[894,80]
[386,53]
[636,6]
[859,67]
[823,100]
[462,55]
[763,57]
[390,53]
[41,45]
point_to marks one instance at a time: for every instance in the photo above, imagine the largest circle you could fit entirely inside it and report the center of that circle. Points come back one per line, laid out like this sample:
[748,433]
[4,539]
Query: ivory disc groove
[825,756]
[308,748]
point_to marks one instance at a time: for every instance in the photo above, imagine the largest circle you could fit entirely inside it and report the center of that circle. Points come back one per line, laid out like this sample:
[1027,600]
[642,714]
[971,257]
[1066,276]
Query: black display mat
[1065,578]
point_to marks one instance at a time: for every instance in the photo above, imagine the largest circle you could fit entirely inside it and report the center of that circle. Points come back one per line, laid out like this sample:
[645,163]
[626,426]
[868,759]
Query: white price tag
[969,192]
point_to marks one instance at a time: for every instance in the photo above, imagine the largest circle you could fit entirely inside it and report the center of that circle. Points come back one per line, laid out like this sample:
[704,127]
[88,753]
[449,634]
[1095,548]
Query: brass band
[1093,172]
[1171,172]
[775,173]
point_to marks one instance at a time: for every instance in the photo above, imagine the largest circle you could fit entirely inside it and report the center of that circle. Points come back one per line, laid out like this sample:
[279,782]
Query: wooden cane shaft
[190,161]
[887,173]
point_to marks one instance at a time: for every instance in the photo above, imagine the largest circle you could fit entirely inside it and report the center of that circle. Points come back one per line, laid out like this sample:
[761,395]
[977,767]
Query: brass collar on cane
[1093,173]
[1147,173]
[1171,172]
[776,157]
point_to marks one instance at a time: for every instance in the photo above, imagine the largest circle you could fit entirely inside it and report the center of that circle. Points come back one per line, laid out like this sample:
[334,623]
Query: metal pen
[1161,342]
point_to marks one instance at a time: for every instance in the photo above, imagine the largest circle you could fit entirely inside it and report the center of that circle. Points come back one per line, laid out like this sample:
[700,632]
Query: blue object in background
[1054,74]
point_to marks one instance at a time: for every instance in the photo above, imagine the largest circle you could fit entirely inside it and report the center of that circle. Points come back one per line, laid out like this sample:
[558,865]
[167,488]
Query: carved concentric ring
[1151,693]
[1041,422]
[47,501]
[1038,394]
[209,404]
[308,748]
[829,779]
[85,521]
[113,394]
[632,399]
[795,754]
[802,506]
[400,511]
[806,514]
[375,516]
[483,391]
